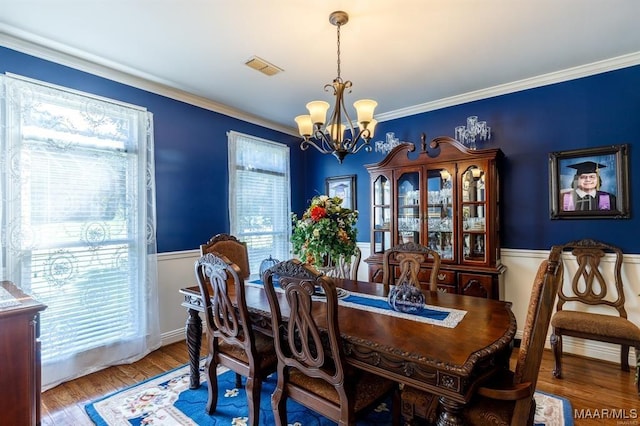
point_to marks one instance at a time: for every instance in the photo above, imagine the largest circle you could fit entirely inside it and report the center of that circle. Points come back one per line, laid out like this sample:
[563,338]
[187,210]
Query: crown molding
[587,70]
[58,53]
[82,61]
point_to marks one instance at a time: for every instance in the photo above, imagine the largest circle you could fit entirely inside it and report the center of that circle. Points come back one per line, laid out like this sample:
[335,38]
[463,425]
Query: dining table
[469,340]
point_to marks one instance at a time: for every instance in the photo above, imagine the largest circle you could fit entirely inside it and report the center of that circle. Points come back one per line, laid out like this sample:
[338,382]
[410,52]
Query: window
[259,197]
[78,219]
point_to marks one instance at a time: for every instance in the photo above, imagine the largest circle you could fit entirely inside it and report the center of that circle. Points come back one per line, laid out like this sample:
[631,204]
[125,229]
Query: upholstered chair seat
[368,388]
[264,349]
[597,324]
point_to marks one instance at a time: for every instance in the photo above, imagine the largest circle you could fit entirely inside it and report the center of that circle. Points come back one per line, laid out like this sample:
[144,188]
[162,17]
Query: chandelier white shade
[329,137]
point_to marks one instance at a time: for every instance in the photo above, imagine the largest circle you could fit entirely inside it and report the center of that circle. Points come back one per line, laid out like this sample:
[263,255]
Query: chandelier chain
[338,44]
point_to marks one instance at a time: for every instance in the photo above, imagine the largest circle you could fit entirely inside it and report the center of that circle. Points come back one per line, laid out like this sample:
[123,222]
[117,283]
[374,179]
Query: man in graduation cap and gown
[585,194]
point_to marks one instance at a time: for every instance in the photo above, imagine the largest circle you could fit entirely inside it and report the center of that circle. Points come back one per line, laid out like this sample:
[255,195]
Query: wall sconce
[386,146]
[475,130]
[445,175]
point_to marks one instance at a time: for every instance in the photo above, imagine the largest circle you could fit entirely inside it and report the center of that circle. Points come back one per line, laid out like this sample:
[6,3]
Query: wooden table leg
[193,331]
[451,413]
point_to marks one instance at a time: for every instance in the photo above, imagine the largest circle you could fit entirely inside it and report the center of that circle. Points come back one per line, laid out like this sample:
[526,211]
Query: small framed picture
[343,187]
[590,183]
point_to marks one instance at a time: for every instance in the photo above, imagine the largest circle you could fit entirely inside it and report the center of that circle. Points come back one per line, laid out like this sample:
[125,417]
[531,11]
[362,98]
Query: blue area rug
[166,400]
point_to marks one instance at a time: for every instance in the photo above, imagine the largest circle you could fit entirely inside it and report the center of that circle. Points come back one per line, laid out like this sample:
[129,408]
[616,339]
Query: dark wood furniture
[445,197]
[448,362]
[20,380]
[590,288]
[312,366]
[229,246]
[232,340]
[236,251]
[507,398]
[402,263]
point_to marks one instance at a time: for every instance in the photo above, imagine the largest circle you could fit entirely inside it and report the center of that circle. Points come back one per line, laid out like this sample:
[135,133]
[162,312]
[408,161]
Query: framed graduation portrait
[591,183]
[343,187]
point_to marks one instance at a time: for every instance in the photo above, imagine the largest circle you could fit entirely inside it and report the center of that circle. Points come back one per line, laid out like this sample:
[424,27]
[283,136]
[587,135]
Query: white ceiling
[403,53]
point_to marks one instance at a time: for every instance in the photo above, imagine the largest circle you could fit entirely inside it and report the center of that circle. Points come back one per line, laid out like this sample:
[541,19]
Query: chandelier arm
[304,145]
[363,137]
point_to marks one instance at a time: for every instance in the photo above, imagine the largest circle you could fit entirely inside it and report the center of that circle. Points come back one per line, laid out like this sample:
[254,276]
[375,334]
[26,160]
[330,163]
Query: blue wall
[190,149]
[191,153]
[588,112]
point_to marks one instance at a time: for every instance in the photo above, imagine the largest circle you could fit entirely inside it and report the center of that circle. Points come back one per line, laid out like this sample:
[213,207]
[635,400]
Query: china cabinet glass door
[408,202]
[381,214]
[474,205]
[440,213]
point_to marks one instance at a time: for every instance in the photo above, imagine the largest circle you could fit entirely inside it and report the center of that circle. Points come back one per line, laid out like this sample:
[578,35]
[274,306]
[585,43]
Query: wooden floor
[591,386]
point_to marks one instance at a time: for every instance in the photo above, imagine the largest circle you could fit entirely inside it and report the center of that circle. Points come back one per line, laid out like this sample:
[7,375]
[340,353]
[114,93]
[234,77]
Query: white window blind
[78,219]
[259,197]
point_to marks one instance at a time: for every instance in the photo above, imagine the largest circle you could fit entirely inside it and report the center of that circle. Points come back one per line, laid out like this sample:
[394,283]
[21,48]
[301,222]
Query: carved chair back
[312,368]
[223,319]
[232,342]
[300,343]
[409,258]
[232,248]
[588,284]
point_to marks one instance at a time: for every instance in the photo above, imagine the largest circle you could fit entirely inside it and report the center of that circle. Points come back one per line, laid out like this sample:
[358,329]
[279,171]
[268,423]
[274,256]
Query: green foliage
[325,231]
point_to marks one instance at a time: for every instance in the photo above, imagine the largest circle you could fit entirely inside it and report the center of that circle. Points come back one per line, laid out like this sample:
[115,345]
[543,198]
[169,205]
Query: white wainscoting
[175,270]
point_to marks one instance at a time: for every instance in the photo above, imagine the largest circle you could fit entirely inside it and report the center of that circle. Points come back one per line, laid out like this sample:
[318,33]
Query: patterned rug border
[98,417]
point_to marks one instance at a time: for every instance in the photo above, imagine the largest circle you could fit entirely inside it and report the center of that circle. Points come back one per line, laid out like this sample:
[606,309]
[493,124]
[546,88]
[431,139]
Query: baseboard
[172,337]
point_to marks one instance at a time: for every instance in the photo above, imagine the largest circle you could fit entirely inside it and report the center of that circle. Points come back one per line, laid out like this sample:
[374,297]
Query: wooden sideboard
[20,380]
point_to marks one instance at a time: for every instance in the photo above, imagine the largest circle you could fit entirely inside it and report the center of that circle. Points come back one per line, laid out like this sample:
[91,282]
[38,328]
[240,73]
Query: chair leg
[556,345]
[396,402]
[238,380]
[624,357]
[279,404]
[212,385]
[253,388]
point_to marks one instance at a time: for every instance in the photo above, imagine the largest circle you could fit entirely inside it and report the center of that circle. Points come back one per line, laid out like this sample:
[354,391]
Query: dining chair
[506,398]
[229,246]
[404,262]
[236,251]
[312,369]
[232,342]
[596,284]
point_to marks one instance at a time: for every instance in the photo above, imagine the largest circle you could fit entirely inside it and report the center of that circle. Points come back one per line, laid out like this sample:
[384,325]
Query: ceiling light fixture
[330,139]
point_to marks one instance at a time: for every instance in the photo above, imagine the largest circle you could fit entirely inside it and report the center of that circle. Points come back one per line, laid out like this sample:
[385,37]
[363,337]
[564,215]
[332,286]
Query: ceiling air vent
[263,66]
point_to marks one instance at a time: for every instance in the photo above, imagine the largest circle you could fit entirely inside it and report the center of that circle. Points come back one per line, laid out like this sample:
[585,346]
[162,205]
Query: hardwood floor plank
[591,385]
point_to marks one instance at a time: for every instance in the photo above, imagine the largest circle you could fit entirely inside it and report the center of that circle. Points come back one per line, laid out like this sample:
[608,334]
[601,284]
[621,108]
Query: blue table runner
[436,315]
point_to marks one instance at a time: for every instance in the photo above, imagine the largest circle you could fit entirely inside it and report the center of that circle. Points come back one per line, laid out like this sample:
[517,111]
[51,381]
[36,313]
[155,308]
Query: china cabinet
[444,196]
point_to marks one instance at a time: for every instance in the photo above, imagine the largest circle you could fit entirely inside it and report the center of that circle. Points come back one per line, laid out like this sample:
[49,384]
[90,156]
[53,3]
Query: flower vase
[339,269]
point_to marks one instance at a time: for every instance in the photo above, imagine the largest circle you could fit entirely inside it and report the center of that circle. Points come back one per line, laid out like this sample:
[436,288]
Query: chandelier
[475,130]
[329,138]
